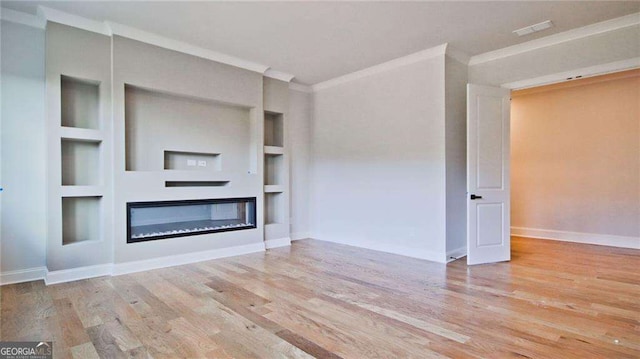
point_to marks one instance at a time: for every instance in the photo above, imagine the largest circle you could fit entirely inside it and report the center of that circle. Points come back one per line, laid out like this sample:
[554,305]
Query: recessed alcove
[191,161]
[273,169]
[273,129]
[273,208]
[167,131]
[80,103]
[80,163]
[81,219]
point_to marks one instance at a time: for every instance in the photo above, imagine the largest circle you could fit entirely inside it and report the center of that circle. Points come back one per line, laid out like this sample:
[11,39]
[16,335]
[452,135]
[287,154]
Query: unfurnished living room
[330,179]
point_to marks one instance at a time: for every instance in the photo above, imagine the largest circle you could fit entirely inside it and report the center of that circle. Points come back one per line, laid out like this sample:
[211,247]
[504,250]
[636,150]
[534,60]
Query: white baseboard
[577,237]
[69,275]
[300,235]
[22,275]
[279,242]
[393,249]
[457,253]
[180,259]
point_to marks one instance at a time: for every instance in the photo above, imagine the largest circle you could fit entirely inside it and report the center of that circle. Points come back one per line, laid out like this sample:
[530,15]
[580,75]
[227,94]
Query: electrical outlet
[202,163]
[191,162]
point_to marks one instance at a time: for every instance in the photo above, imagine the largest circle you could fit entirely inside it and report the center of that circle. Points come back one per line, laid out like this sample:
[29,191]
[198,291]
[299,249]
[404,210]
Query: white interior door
[488,198]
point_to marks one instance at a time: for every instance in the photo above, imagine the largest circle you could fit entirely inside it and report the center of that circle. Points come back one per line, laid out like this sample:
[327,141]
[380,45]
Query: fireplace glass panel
[158,220]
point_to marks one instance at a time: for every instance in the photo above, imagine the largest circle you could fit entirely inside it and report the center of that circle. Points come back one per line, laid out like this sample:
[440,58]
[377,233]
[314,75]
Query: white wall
[300,122]
[23,231]
[379,161]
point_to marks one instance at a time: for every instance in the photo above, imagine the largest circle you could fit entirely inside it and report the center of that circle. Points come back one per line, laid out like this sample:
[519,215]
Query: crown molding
[278,75]
[300,87]
[383,67]
[22,18]
[109,28]
[458,55]
[585,72]
[574,34]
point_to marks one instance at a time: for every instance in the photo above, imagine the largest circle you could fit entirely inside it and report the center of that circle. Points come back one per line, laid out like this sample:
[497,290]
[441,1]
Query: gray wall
[23,231]
[379,161]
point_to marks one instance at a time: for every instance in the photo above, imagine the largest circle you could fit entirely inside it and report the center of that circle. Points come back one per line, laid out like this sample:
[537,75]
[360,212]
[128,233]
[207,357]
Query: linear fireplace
[167,219]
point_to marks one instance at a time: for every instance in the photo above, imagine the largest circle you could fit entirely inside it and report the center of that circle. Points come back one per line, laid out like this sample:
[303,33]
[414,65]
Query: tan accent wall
[576,156]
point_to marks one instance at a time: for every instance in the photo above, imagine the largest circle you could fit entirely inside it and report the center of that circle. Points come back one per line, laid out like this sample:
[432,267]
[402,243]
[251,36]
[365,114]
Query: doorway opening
[575,160]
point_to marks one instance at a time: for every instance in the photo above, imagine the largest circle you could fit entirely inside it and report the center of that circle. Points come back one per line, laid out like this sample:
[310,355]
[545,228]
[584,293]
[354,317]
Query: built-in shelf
[81,191]
[273,129]
[81,219]
[273,150]
[273,210]
[81,134]
[191,161]
[80,163]
[273,189]
[195,183]
[80,103]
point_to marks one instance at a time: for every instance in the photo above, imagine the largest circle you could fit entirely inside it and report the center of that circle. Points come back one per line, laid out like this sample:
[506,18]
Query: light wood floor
[553,300]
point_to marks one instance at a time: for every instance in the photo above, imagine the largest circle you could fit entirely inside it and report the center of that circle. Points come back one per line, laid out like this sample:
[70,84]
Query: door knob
[473,196]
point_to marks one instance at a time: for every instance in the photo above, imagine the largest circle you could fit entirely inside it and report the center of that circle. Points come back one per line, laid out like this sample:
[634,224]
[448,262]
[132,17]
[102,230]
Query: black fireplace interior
[167,219]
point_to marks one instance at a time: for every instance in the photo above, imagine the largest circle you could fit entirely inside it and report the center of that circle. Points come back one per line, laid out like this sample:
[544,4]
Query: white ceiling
[318,41]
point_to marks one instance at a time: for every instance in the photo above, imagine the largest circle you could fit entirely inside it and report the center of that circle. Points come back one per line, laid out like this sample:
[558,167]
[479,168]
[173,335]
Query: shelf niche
[191,161]
[273,129]
[273,208]
[81,219]
[273,169]
[80,103]
[80,163]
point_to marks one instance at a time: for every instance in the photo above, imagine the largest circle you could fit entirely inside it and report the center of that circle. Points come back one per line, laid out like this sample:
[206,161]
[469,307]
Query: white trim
[300,87]
[23,18]
[584,72]
[279,242]
[393,249]
[457,253]
[300,235]
[61,17]
[180,259]
[22,275]
[574,34]
[458,55]
[577,237]
[111,28]
[69,275]
[383,67]
[278,75]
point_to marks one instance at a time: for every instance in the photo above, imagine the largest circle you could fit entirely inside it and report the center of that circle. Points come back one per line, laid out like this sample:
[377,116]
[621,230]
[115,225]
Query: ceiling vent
[534,28]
